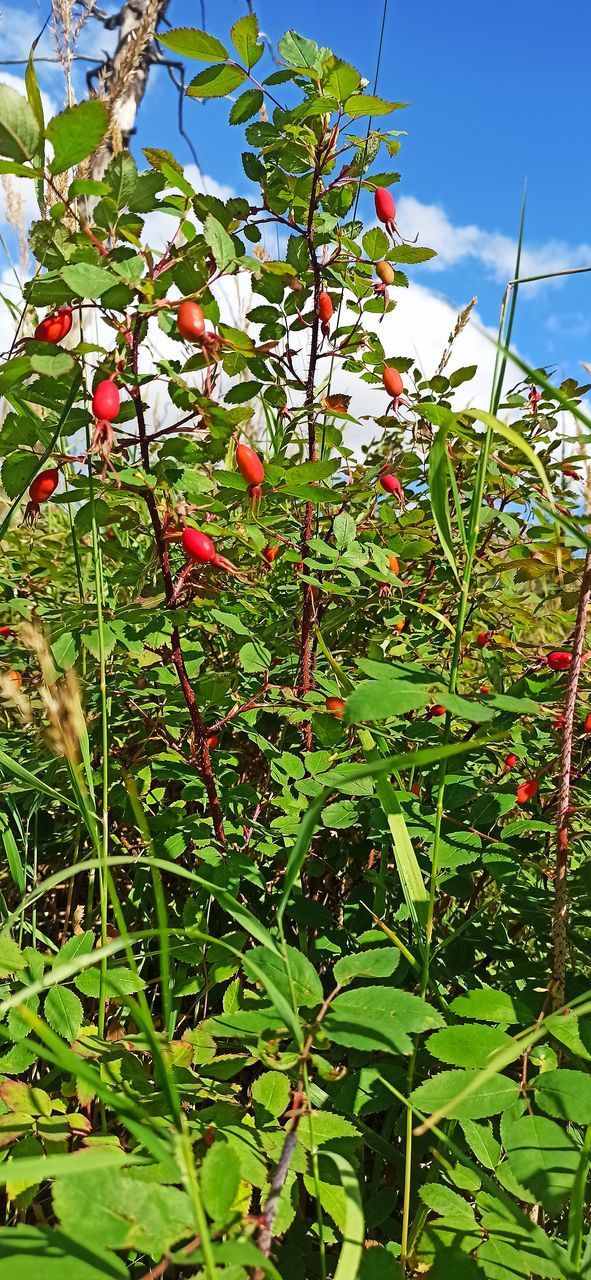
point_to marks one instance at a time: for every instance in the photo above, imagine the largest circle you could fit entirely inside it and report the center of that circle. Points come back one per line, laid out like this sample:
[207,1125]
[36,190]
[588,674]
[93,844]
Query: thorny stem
[560,914]
[200,751]
[281,1171]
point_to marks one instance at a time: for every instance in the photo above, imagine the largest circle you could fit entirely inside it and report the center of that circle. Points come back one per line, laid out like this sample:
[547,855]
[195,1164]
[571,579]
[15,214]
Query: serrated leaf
[18,471]
[564,1094]
[271,1091]
[544,1158]
[379,1018]
[300,53]
[468,1046]
[220,1180]
[54,1256]
[54,364]
[245,38]
[216,82]
[495,1094]
[88,281]
[378,962]
[76,133]
[63,1012]
[366,104]
[191,43]
[376,700]
[246,106]
[220,243]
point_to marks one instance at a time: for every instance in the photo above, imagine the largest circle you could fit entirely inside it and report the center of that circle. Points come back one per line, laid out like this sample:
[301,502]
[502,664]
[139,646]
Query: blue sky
[498,94]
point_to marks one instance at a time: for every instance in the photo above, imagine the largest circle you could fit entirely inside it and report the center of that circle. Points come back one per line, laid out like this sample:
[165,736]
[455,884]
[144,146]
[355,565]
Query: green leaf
[245,38]
[475,712]
[302,54]
[411,253]
[19,128]
[340,815]
[486,1005]
[271,1091]
[246,106]
[254,656]
[220,243]
[216,82]
[220,1181]
[379,962]
[18,471]
[366,104]
[564,1094]
[341,81]
[543,1158]
[468,1046]
[379,1018]
[191,43]
[114,1209]
[12,959]
[54,364]
[439,485]
[411,880]
[375,700]
[121,175]
[63,1012]
[52,1255]
[76,133]
[300,979]
[375,244]
[344,530]
[493,1096]
[88,281]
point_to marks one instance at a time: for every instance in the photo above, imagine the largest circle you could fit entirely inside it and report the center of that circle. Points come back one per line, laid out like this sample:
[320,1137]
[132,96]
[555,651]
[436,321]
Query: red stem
[201,750]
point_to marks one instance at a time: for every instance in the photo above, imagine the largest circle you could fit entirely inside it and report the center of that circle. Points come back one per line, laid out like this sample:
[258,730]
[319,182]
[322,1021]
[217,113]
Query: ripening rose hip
[385,208]
[483,639]
[198,546]
[16,678]
[6,632]
[559,660]
[190,321]
[270,553]
[392,382]
[106,401]
[385,272]
[437,710]
[526,791]
[201,550]
[587,725]
[391,484]
[251,469]
[393,564]
[336,706]
[324,311]
[212,741]
[40,491]
[54,327]
[510,762]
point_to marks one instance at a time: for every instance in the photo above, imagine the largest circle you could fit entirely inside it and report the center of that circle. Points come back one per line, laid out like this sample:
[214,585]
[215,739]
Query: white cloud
[496,252]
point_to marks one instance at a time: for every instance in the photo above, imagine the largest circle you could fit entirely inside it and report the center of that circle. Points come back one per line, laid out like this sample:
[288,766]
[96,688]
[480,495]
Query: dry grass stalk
[60,695]
[460,324]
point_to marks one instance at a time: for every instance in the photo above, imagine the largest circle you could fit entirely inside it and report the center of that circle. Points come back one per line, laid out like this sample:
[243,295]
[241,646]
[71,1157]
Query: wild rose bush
[285,740]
